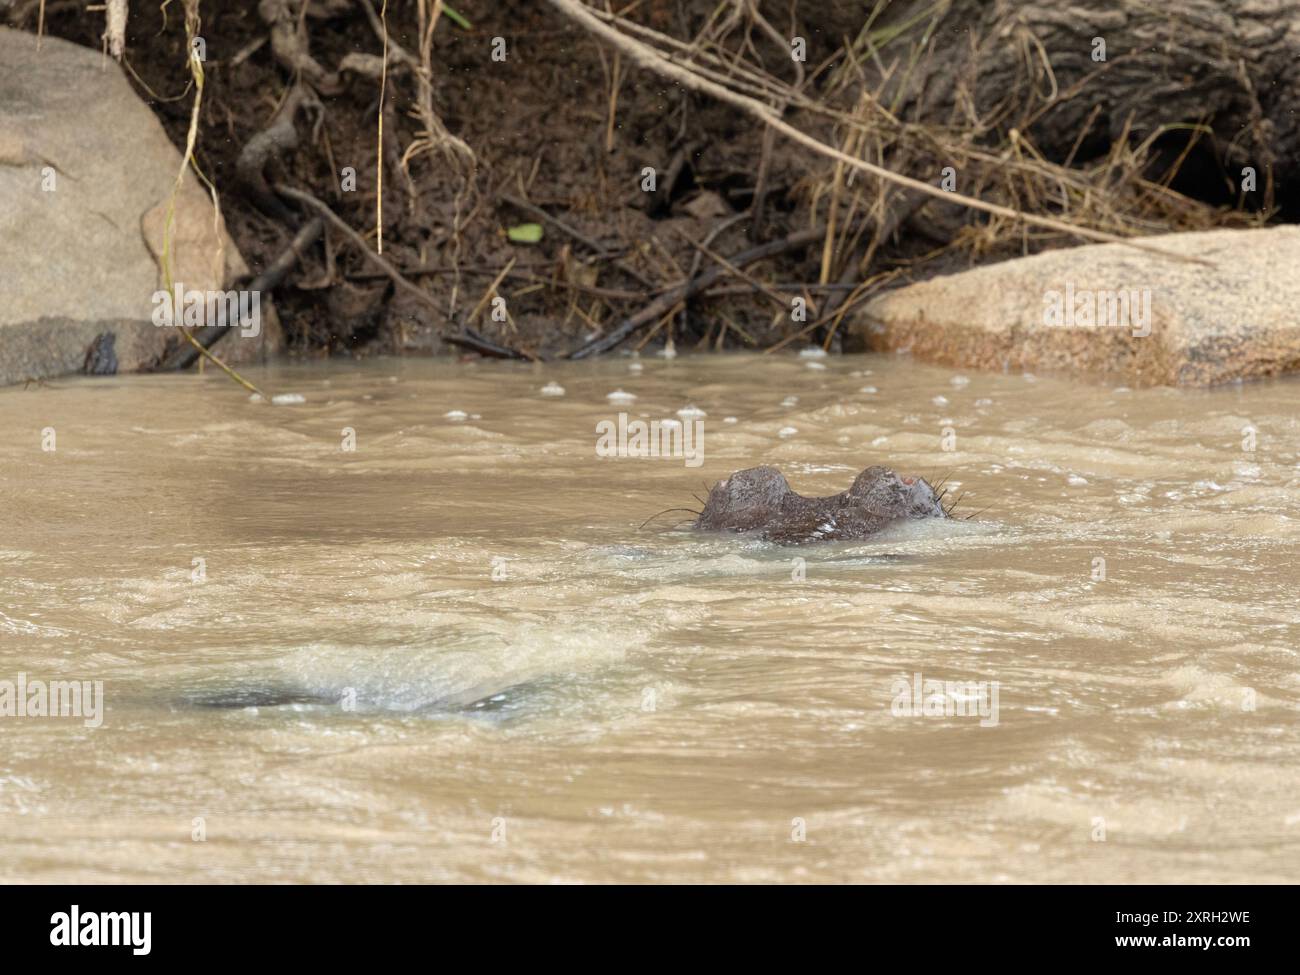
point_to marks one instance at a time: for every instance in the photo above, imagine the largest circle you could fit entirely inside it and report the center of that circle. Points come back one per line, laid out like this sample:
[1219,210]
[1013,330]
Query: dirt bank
[562,130]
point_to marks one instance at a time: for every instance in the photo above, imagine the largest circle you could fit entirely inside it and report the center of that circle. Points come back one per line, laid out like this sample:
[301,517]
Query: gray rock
[101,357]
[1142,317]
[86,173]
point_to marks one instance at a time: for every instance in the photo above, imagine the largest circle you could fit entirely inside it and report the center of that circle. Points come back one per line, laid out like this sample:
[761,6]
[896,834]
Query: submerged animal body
[759,501]
[260,693]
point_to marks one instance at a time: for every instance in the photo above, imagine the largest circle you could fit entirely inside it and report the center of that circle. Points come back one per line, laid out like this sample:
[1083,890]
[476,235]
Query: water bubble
[960,381]
[790,401]
[288,399]
[787,432]
[456,416]
[552,389]
[619,396]
[691,413]
[812,352]
[868,390]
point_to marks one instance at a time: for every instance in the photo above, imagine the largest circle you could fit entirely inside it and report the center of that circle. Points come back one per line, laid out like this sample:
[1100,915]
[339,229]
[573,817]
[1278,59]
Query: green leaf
[525,233]
[456,18]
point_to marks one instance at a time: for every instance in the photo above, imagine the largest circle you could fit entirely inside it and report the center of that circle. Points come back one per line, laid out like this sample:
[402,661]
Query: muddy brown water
[453,653]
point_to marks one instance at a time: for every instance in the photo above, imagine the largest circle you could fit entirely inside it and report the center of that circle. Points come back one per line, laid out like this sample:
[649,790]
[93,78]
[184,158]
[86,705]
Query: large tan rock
[1179,323]
[86,173]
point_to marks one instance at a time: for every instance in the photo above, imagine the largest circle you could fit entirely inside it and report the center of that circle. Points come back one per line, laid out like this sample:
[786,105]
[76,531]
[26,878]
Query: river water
[453,653]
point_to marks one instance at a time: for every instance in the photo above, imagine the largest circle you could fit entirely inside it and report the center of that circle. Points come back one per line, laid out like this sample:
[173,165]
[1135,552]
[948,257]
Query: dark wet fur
[256,696]
[759,501]
[269,695]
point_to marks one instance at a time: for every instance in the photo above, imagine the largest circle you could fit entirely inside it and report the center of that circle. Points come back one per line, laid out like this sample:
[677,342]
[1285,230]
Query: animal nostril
[909,481]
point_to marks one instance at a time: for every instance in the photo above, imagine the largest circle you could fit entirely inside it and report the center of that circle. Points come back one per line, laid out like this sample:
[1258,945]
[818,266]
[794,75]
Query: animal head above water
[760,500]
[882,491]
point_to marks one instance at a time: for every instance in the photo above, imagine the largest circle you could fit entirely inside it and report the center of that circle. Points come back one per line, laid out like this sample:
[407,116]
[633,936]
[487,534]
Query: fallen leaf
[525,233]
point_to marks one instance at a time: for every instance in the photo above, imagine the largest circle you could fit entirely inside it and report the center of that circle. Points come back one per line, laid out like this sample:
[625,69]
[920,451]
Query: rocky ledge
[1110,309]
